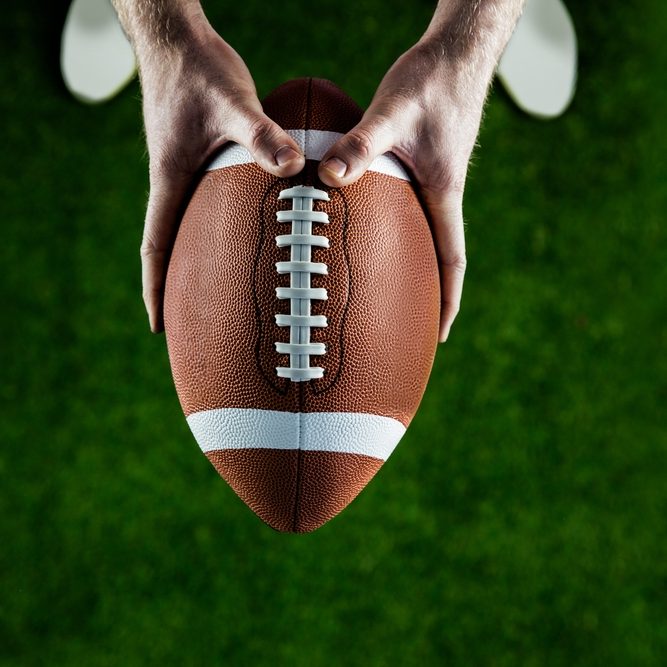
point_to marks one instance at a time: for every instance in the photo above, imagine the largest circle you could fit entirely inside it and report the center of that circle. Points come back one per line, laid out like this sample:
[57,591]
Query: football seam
[299,462]
[299,467]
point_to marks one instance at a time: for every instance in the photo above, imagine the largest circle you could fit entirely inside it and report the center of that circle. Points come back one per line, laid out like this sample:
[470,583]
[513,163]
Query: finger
[447,218]
[271,147]
[348,159]
[165,202]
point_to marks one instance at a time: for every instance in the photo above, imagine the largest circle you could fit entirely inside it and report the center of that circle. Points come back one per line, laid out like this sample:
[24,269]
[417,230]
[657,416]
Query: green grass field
[523,519]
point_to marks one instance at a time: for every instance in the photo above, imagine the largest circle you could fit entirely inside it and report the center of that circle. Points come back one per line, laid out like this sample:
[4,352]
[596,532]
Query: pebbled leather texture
[382,309]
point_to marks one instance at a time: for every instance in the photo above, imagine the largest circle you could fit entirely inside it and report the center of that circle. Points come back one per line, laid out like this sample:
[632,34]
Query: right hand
[195,99]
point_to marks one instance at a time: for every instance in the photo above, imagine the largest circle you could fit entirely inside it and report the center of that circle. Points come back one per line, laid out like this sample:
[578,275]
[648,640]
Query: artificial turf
[522,520]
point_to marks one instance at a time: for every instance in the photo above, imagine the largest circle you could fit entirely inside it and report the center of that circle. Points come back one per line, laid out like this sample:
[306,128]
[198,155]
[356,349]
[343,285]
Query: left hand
[427,112]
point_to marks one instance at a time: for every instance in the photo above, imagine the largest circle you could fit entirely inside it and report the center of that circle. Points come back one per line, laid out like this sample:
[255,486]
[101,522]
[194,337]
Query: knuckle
[261,132]
[360,143]
[150,250]
[456,262]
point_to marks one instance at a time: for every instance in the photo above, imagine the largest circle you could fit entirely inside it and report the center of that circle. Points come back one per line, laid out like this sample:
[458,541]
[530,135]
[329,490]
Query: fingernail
[335,166]
[284,155]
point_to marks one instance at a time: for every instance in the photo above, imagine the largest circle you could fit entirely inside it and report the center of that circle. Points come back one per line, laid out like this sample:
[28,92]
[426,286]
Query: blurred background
[522,520]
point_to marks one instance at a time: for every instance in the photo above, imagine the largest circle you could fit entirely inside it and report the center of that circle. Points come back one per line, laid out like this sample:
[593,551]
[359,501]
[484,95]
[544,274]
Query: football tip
[294,491]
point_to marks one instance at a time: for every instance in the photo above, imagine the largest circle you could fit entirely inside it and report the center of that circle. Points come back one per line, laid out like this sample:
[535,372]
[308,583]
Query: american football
[301,320]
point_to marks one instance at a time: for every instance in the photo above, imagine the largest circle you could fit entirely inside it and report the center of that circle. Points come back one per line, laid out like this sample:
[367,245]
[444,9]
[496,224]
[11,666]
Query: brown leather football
[301,320]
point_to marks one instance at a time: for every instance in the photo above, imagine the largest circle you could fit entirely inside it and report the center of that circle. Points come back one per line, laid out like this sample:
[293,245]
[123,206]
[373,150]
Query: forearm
[472,34]
[157,28]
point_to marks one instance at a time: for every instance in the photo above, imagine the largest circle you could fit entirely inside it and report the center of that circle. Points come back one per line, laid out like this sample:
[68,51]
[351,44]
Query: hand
[197,97]
[428,114]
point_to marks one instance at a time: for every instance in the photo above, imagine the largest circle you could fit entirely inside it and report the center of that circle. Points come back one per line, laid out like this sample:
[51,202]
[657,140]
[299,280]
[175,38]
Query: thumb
[348,159]
[273,149]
